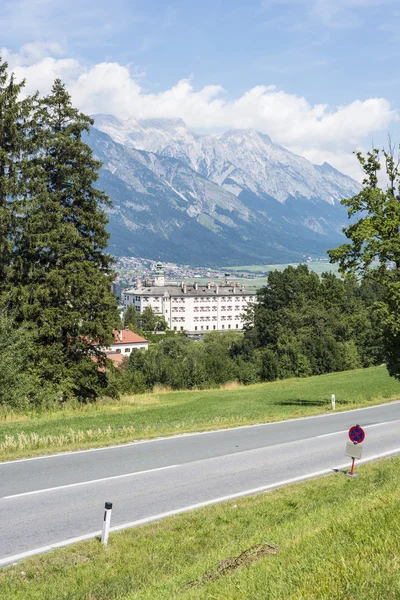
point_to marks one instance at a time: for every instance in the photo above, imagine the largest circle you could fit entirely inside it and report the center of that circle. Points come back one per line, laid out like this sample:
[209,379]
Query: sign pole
[353,460]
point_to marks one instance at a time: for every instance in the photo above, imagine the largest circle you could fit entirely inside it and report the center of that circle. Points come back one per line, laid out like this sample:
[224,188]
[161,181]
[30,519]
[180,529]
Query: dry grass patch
[32,441]
[232,385]
[233,563]
[161,389]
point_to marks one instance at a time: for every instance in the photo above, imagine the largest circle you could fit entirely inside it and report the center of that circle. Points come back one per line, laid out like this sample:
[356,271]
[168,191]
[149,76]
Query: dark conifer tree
[62,276]
[14,122]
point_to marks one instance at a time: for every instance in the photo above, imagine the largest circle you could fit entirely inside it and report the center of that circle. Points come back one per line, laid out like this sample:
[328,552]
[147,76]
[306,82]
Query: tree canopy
[308,325]
[373,250]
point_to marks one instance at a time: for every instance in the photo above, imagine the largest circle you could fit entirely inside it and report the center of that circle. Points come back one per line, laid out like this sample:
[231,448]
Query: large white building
[192,307]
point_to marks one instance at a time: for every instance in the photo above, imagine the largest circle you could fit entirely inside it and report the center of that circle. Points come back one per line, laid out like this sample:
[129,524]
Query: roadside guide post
[333,401]
[106,522]
[353,448]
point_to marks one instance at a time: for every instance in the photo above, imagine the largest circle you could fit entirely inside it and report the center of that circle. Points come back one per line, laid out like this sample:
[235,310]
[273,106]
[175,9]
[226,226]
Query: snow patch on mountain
[237,160]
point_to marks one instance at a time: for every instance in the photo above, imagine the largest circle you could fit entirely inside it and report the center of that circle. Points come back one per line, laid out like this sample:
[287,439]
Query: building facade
[192,307]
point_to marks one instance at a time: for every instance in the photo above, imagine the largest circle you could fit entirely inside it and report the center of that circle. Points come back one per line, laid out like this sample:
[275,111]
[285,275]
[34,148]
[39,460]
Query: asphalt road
[50,501]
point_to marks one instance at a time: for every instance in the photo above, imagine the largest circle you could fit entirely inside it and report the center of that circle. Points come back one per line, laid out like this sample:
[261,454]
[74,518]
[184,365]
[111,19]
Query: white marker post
[333,402]
[106,522]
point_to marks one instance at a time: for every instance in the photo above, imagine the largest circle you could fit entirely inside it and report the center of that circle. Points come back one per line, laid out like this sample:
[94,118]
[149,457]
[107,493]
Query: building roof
[128,337]
[202,290]
[117,359]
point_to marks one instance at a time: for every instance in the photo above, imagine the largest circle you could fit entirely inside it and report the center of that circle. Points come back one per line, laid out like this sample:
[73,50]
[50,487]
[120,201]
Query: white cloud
[317,131]
[31,53]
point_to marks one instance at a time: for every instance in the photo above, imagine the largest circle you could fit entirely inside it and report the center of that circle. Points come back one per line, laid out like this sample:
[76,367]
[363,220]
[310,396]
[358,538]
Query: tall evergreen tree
[14,122]
[62,276]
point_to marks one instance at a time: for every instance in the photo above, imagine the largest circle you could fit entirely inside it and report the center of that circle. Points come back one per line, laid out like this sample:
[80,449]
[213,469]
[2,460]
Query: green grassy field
[332,539]
[260,278]
[316,266]
[168,413]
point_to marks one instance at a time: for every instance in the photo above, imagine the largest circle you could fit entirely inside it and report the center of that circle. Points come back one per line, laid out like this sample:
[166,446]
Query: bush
[20,385]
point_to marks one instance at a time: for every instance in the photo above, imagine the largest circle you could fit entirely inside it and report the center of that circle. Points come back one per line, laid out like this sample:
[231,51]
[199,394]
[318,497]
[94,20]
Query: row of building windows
[147,298]
[206,318]
[206,327]
[196,300]
[214,308]
[126,350]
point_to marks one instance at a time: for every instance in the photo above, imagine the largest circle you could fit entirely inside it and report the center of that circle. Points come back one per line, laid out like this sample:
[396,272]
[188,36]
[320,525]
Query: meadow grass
[335,538]
[314,265]
[167,413]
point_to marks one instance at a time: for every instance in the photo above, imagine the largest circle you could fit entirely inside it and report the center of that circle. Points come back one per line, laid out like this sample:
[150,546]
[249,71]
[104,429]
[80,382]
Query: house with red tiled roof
[125,341]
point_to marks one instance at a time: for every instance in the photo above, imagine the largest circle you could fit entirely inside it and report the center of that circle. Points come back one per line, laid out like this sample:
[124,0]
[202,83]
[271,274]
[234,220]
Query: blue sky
[316,53]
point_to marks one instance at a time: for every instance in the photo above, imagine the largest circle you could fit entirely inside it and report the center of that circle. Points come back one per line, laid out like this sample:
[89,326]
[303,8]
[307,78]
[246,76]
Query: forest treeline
[301,325]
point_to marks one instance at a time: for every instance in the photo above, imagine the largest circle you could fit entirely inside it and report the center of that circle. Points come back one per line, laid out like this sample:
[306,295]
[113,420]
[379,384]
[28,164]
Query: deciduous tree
[373,249]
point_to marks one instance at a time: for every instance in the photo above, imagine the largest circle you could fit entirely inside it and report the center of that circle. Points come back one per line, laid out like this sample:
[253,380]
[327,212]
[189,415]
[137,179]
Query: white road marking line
[346,430]
[17,557]
[329,434]
[79,483]
[183,435]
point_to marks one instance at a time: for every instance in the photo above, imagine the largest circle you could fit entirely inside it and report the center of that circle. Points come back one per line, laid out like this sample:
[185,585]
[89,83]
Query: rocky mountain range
[220,199]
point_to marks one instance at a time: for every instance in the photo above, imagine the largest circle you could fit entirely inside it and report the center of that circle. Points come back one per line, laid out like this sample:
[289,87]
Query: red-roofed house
[125,341]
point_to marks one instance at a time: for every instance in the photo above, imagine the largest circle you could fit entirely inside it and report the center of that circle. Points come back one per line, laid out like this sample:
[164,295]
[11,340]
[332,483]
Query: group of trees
[308,325]
[57,308]
[146,322]
[180,363]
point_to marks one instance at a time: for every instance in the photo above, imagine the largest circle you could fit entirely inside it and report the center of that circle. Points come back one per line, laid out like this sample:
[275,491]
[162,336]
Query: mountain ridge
[252,154]
[199,200]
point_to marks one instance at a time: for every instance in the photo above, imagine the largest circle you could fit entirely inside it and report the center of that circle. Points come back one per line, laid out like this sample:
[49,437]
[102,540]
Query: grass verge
[168,413]
[336,538]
